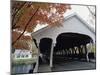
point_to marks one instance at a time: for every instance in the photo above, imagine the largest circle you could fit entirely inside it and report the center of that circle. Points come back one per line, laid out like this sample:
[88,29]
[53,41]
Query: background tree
[92,14]
[26,15]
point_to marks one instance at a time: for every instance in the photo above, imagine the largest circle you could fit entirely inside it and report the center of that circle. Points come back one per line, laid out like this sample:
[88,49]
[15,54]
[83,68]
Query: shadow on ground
[68,66]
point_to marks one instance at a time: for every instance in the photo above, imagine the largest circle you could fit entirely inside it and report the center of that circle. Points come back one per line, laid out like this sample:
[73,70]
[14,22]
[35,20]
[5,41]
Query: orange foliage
[48,13]
[41,16]
[23,42]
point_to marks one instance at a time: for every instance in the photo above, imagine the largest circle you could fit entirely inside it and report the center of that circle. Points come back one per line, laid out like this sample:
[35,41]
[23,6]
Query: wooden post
[51,56]
[72,53]
[87,58]
[79,49]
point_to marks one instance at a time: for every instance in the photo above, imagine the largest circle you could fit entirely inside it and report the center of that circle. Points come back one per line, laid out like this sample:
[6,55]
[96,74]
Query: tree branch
[91,11]
[26,26]
[13,25]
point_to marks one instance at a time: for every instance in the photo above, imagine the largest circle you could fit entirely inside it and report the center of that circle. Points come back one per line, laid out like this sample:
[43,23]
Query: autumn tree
[26,15]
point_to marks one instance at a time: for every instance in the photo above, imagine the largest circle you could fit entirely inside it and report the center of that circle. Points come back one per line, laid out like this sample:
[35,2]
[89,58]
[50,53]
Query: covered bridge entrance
[72,46]
[69,39]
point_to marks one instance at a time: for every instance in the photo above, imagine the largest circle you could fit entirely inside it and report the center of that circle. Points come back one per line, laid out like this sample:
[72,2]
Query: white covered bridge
[71,24]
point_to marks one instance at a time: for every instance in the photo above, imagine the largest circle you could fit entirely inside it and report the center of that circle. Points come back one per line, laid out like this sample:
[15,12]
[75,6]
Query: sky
[82,11]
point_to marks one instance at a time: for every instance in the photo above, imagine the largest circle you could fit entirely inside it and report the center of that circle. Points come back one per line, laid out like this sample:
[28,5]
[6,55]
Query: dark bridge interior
[66,43]
[65,46]
[70,40]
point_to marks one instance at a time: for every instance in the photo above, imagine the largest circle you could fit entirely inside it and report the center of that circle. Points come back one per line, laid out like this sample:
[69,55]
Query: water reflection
[22,68]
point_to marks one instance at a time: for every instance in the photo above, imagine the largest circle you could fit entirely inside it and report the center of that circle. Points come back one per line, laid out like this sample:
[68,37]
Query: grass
[94,49]
[23,61]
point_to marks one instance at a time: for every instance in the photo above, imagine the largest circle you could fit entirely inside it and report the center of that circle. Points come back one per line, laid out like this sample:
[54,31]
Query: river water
[22,68]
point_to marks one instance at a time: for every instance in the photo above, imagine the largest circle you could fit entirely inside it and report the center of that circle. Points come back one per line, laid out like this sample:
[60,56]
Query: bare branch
[91,11]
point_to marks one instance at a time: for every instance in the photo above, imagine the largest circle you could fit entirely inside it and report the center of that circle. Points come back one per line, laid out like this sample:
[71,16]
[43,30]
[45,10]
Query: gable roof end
[65,19]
